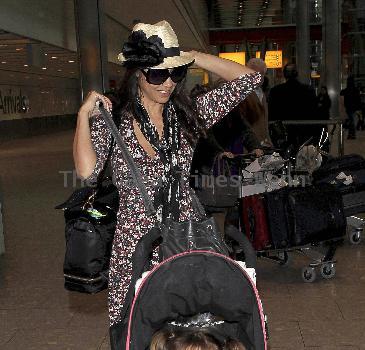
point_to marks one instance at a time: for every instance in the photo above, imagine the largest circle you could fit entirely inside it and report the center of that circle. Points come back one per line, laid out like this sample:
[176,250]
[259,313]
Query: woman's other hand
[227,154]
[258,152]
[90,102]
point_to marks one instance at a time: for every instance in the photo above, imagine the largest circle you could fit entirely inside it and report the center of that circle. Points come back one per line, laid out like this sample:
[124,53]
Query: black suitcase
[277,217]
[302,215]
[315,214]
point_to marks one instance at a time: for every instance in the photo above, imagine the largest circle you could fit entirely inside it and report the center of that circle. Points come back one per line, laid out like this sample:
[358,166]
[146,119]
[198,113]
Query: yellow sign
[239,57]
[258,54]
[274,59]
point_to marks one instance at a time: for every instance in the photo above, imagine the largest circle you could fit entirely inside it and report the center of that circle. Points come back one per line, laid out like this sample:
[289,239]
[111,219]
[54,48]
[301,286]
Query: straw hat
[153,45]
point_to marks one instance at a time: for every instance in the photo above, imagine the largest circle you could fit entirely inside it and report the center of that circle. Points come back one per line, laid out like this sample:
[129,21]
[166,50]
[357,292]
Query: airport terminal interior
[51,56]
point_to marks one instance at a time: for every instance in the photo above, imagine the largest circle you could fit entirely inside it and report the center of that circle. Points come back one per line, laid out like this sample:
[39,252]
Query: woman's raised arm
[84,155]
[226,69]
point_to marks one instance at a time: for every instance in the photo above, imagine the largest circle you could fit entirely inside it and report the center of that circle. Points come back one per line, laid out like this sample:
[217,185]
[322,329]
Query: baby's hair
[233,344]
[191,340]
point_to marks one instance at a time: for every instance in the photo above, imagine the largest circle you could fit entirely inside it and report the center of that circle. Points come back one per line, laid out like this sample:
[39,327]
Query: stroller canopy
[197,282]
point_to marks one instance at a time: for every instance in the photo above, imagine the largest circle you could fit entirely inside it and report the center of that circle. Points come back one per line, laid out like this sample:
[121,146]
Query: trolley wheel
[328,270]
[309,274]
[355,236]
[283,258]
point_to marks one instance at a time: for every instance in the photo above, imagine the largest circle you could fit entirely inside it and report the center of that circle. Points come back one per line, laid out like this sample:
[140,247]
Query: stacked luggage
[293,218]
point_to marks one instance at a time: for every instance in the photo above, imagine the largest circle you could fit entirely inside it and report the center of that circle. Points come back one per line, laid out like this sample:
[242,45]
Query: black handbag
[90,215]
[177,237]
[221,191]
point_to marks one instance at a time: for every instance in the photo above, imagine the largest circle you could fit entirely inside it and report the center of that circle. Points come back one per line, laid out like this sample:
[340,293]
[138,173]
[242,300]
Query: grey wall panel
[28,96]
[50,21]
[116,35]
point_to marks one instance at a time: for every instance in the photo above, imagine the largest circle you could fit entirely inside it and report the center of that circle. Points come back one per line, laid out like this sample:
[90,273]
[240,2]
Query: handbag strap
[222,165]
[136,174]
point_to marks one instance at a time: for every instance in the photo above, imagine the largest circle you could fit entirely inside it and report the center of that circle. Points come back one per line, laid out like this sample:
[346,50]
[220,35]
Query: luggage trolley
[355,230]
[253,195]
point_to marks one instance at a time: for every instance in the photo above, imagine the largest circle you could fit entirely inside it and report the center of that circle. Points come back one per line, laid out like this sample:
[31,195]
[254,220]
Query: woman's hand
[90,102]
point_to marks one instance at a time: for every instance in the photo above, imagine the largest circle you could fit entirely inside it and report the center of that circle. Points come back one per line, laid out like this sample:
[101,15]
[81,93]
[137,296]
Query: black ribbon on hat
[142,52]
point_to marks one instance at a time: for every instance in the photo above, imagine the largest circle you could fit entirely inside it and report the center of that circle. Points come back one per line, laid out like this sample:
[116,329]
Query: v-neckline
[135,139]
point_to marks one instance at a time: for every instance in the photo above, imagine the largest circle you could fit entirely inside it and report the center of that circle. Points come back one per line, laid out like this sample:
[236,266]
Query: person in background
[230,135]
[351,103]
[323,104]
[361,121]
[254,108]
[293,100]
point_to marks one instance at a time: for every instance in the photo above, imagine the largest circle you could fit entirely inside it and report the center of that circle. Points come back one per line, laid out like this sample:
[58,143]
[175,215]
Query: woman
[159,127]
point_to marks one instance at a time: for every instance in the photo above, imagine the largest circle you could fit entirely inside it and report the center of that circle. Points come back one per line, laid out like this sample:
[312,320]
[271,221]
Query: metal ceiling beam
[188,16]
[264,6]
[278,33]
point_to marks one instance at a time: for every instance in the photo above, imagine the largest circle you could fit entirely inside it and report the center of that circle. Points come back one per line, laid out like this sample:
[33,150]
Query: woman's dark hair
[198,90]
[188,118]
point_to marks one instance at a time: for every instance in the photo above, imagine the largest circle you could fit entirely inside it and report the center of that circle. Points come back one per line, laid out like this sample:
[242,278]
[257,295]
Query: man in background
[293,100]
[351,102]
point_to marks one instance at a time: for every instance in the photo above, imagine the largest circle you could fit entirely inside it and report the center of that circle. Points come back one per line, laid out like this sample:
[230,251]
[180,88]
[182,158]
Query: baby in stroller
[174,304]
[198,333]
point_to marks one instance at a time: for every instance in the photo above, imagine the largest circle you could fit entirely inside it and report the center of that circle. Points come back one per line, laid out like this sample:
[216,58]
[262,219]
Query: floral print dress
[133,222]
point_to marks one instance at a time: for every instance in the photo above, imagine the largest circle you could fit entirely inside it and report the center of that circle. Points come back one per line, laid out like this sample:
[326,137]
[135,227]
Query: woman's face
[155,93]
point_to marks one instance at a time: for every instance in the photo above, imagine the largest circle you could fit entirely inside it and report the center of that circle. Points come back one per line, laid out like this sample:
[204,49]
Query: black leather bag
[221,191]
[178,237]
[90,215]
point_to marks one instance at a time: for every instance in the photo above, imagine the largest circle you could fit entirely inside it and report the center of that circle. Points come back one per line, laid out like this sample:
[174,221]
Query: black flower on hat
[142,52]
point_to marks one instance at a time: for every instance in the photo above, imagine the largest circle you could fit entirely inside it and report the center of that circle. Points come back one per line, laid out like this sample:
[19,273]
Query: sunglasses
[159,76]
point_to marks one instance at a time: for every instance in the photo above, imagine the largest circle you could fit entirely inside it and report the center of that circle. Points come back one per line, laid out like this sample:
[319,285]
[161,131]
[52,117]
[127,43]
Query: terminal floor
[36,313]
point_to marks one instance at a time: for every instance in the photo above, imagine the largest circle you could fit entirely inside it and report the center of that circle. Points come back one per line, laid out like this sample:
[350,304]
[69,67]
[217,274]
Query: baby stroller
[187,283]
[190,283]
